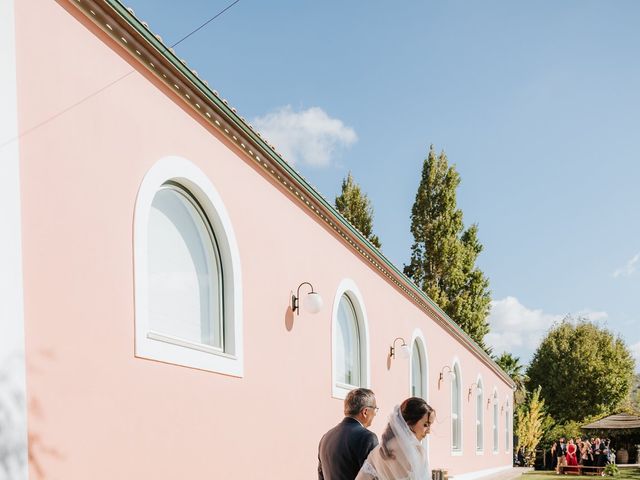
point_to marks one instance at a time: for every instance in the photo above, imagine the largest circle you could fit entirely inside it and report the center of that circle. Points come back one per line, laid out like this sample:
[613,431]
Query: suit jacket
[343,450]
[561,450]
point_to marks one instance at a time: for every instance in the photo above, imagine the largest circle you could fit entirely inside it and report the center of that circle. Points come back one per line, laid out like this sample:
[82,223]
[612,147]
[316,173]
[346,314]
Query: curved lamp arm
[313,307]
[441,377]
[404,350]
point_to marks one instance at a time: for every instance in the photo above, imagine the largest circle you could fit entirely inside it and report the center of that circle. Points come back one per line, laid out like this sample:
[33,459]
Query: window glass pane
[455,409]
[495,423]
[455,393]
[506,428]
[416,372]
[185,279]
[455,433]
[479,418]
[348,344]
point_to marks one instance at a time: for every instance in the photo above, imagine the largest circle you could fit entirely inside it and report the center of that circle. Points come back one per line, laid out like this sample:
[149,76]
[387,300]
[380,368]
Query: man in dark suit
[344,448]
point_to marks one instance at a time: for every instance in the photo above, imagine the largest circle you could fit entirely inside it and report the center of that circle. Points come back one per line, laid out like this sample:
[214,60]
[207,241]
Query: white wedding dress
[400,455]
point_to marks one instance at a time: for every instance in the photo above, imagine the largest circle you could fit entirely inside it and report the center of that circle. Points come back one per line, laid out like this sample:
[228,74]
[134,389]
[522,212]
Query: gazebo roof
[618,421]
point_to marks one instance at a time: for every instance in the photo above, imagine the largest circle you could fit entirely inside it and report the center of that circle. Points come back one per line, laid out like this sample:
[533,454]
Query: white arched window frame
[227,356]
[495,431]
[418,341]
[456,410]
[508,420]
[348,288]
[418,371]
[479,406]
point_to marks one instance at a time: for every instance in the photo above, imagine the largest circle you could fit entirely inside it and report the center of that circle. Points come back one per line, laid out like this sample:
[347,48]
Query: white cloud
[516,328]
[629,269]
[519,330]
[308,136]
[591,315]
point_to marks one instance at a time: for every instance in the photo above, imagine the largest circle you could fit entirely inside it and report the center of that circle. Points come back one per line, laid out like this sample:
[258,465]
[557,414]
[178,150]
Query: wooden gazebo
[619,421]
[624,431]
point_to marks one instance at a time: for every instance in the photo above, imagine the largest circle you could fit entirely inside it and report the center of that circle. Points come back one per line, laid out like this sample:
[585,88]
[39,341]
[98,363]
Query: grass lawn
[625,474]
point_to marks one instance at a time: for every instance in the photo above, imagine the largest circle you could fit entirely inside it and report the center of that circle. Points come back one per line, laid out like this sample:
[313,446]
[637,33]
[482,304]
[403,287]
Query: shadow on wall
[38,448]
[18,457]
[288,314]
[13,422]
[288,319]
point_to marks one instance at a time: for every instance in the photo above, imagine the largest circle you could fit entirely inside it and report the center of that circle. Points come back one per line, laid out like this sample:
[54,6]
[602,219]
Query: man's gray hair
[358,399]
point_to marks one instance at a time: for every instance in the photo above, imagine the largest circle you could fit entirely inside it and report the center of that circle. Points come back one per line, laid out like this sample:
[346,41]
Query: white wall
[13,424]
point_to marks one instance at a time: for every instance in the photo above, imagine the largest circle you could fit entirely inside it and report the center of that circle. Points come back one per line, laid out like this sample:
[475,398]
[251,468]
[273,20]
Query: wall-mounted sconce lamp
[488,402]
[313,302]
[441,377]
[478,388]
[502,408]
[403,351]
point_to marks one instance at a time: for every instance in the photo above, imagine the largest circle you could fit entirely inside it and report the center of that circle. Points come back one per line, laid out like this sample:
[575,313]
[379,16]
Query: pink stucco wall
[96,411]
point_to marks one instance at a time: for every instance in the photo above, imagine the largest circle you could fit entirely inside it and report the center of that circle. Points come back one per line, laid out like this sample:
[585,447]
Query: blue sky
[536,103]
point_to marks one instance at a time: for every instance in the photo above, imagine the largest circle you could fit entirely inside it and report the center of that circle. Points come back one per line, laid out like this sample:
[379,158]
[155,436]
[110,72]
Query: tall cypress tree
[444,254]
[356,207]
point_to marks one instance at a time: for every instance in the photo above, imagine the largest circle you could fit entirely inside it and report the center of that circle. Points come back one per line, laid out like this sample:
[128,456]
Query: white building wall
[13,419]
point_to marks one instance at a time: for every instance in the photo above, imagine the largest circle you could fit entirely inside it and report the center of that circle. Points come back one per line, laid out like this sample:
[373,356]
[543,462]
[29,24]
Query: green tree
[632,403]
[531,421]
[570,429]
[583,370]
[356,207]
[512,367]
[444,254]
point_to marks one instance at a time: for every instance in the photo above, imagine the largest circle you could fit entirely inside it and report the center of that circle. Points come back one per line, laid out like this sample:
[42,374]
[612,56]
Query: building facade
[153,241]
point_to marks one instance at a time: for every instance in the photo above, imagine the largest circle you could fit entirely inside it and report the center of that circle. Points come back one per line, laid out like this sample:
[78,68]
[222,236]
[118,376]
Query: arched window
[456,410]
[495,421]
[188,290]
[348,357]
[418,374]
[350,340]
[184,272]
[479,416]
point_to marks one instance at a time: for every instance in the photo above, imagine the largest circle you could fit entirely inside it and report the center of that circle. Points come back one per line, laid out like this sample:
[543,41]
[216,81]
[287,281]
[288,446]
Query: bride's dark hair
[412,410]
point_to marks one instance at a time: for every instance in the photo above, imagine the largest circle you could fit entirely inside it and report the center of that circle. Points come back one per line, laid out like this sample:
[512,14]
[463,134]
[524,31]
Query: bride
[400,455]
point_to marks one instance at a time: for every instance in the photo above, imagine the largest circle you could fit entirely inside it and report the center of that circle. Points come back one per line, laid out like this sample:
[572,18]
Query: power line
[112,83]
[65,110]
[205,23]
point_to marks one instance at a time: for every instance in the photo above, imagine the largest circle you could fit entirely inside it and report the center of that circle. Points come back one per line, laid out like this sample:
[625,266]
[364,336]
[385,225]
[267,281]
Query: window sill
[176,351]
[161,337]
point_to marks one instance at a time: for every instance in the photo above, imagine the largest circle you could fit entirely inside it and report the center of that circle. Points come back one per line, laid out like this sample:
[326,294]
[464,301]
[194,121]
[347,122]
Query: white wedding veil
[400,455]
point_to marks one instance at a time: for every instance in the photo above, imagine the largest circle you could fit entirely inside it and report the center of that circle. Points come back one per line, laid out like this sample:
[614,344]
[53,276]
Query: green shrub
[612,470]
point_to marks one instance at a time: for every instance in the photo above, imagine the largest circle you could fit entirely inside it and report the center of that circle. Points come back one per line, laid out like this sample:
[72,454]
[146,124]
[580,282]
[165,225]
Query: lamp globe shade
[313,303]
[404,351]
